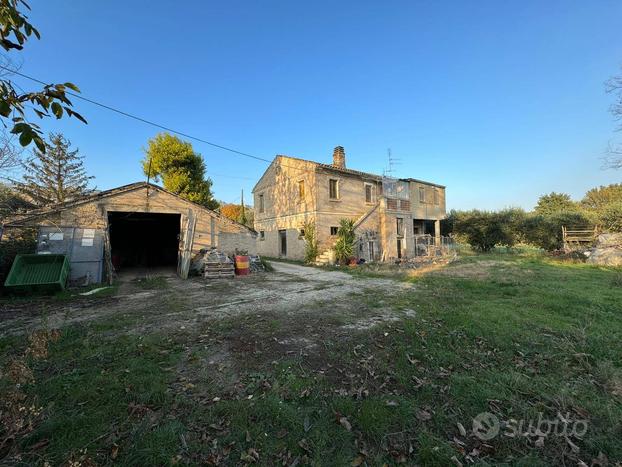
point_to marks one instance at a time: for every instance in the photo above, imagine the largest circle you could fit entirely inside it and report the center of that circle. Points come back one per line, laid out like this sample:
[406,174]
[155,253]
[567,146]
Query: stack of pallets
[217,265]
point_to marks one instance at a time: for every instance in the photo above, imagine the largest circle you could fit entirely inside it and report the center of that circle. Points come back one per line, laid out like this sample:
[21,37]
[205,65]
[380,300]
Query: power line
[140,119]
[152,123]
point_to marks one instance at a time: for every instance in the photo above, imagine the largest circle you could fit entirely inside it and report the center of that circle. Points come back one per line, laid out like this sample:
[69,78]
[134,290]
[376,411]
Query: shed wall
[211,229]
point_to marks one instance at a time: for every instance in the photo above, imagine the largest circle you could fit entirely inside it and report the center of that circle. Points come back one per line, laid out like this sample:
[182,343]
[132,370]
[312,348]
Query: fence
[574,237]
[428,245]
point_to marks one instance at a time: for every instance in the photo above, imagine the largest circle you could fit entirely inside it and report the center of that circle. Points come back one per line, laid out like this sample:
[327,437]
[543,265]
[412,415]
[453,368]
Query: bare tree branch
[613,159]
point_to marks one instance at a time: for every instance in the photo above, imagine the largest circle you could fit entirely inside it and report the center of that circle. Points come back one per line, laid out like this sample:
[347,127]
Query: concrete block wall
[270,244]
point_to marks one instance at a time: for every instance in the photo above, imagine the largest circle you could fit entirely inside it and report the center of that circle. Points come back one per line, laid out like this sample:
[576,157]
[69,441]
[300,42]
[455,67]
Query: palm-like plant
[344,247]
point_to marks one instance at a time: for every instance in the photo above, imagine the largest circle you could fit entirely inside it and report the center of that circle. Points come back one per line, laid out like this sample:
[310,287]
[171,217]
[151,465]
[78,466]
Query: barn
[140,225]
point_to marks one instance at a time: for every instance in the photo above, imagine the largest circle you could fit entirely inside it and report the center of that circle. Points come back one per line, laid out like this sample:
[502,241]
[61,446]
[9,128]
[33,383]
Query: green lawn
[521,337]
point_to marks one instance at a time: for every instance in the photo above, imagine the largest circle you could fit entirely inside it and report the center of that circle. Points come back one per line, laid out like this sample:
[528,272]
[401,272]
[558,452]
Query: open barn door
[186,241]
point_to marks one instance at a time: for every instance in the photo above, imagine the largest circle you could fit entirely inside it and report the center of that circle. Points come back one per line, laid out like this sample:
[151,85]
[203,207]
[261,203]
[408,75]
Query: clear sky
[499,100]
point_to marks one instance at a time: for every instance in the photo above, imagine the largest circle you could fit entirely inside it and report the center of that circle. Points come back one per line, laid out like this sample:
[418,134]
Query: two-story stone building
[389,213]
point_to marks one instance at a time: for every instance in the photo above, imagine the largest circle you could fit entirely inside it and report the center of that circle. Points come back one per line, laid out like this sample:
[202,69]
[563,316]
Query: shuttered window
[333,188]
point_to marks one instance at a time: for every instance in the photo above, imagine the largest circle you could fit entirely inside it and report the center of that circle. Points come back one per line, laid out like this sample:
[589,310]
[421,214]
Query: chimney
[339,157]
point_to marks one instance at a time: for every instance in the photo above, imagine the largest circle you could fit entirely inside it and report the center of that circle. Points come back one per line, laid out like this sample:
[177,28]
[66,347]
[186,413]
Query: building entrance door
[283,242]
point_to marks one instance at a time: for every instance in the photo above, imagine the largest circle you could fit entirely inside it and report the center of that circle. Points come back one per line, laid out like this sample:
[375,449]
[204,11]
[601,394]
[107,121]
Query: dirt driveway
[167,302]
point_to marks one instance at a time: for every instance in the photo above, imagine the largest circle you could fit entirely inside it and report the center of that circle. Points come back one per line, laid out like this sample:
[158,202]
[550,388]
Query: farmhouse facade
[389,214]
[136,225]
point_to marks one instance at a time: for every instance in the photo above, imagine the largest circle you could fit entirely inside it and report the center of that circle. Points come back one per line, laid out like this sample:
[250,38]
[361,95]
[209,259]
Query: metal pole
[243,214]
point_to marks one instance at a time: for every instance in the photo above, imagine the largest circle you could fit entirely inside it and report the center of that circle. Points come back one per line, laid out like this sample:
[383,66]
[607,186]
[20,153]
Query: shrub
[22,243]
[311,248]
[546,231]
[484,230]
[344,247]
[611,217]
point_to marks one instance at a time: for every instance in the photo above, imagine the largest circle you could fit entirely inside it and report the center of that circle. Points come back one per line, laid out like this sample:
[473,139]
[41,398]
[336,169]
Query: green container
[38,273]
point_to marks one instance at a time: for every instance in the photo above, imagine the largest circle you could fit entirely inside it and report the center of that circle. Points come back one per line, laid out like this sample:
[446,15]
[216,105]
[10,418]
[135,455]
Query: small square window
[261,203]
[262,235]
[333,230]
[333,188]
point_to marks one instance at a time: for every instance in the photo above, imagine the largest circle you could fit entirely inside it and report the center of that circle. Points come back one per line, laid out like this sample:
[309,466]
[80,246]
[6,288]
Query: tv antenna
[392,161]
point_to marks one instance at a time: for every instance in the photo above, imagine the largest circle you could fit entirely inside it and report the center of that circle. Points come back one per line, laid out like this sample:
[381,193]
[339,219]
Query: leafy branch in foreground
[51,100]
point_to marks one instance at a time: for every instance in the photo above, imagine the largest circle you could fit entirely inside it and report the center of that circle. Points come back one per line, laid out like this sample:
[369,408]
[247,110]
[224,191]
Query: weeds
[514,336]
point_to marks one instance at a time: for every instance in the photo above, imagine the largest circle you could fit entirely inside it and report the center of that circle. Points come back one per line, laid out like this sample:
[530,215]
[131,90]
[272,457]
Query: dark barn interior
[143,239]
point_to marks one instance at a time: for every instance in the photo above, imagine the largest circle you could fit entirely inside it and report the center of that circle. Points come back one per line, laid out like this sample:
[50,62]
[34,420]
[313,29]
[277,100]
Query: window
[421,194]
[436,197]
[261,205]
[301,190]
[262,235]
[368,193]
[399,226]
[333,188]
[333,230]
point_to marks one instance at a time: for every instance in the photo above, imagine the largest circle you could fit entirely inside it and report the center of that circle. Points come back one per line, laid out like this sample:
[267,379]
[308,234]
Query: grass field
[528,340]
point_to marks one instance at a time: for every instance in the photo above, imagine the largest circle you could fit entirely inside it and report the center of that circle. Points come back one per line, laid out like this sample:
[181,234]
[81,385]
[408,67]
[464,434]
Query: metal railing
[427,245]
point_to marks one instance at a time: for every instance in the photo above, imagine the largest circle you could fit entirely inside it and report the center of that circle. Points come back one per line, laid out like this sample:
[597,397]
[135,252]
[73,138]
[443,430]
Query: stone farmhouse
[390,214]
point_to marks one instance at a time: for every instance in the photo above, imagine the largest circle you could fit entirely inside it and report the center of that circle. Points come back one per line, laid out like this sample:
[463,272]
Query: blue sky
[500,101]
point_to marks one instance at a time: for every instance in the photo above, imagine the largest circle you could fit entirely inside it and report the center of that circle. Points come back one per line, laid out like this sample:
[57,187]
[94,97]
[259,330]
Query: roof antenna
[392,162]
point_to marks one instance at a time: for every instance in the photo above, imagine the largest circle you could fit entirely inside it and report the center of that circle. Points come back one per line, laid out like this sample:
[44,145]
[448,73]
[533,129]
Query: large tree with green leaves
[54,175]
[180,168]
[16,105]
[600,197]
[554,203]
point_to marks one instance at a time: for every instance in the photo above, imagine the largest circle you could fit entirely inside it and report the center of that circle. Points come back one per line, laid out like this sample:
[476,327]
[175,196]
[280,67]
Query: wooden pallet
[218,270]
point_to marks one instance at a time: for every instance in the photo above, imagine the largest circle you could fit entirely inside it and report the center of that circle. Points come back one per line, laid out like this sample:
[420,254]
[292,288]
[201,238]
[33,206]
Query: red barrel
[242,265]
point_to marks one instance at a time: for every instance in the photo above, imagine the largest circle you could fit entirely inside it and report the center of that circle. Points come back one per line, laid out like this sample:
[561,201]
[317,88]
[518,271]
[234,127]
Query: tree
[10,155]
[614,86]
[181,169]
[54,175]
[598,198]
[52,99]
[610,218]
[554,203]
[311,245]
[546,231]
[11,201]
[484,230]
[234,212]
